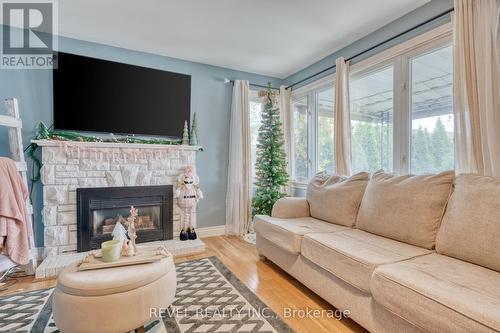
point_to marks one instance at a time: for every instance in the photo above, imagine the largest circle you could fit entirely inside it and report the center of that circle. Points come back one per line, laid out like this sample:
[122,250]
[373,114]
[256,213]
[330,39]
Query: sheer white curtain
[476,66]
[285,100]
[342,130]
[238,196]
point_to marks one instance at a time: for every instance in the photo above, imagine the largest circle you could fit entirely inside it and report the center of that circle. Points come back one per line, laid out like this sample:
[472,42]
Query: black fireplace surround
[98,210]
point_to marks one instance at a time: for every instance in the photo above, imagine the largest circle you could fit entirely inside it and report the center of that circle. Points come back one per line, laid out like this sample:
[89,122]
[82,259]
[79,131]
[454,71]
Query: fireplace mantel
[56,143]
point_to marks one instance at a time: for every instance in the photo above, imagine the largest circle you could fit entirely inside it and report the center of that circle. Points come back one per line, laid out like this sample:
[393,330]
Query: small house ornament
[120,234]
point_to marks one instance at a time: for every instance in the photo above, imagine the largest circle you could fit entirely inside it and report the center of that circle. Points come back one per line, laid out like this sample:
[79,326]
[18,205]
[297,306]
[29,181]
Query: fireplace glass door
[105,220]
[101,209]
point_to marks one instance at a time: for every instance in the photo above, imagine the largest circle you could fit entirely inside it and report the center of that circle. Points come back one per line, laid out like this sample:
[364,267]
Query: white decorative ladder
[14,123]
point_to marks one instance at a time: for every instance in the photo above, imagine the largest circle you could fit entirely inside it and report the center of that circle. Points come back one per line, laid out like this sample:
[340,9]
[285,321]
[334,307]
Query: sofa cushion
[290,207]
[288,233]
[353,255]
[471,225]
[405,208]
[335,198]
[440,294]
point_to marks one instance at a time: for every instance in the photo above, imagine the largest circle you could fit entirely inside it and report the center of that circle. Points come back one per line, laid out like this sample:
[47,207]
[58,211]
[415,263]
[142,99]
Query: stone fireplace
[69,167]
[100,209]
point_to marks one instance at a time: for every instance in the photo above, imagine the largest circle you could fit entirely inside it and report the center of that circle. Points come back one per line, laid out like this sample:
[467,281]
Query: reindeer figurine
[188,194]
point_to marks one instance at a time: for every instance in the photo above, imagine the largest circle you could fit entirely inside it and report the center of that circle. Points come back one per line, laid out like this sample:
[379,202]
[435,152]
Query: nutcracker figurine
[188,194]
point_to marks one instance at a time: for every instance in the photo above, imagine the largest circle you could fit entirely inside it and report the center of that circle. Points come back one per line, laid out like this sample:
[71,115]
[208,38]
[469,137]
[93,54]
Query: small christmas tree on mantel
[194,139]
[270,166]
[185,134]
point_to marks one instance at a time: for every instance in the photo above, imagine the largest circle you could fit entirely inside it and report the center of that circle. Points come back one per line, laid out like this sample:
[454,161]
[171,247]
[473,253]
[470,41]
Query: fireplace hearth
[99,209]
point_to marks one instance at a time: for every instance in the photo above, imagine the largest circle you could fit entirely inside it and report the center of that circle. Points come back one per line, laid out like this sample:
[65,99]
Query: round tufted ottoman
[114,300]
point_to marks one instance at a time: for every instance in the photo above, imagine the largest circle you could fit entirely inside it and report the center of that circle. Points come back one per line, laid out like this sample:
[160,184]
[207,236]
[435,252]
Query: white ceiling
[271,37]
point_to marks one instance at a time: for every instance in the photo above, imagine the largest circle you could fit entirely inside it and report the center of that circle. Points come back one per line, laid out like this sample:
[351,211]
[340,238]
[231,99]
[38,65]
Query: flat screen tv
[94,95]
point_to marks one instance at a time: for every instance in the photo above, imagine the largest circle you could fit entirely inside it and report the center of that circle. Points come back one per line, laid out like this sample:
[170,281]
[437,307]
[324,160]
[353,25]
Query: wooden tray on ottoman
[146,254]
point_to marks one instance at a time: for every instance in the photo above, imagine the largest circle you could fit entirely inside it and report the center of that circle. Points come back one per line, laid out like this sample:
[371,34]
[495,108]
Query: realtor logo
[28,34]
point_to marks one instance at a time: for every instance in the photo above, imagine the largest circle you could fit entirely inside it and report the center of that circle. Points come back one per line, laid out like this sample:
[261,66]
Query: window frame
[309,91]
[399,56]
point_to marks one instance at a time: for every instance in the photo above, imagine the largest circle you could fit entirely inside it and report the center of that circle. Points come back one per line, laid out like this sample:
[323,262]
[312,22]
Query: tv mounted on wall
[94,95]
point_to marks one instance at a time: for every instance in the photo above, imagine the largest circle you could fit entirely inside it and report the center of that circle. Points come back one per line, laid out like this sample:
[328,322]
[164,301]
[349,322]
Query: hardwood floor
[272,285]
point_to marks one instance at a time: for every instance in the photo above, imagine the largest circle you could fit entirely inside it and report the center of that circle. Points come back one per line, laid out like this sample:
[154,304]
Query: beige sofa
[401,253]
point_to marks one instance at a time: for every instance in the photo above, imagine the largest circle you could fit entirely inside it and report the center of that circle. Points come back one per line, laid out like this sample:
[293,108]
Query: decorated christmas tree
[270,166]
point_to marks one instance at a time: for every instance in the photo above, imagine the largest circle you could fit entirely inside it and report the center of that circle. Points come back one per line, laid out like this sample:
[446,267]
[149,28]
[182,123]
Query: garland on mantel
[43,133]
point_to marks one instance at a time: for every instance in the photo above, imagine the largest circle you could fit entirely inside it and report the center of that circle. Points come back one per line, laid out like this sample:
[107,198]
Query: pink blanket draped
[15,226]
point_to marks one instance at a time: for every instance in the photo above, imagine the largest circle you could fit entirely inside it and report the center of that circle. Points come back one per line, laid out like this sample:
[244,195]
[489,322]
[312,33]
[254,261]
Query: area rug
[209,299]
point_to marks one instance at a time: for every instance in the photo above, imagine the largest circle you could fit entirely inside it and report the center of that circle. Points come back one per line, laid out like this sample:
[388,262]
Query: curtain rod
[375,46]
[254,85]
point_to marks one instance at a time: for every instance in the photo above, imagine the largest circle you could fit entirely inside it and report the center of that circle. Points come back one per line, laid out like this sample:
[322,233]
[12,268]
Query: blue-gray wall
[395,27]
[211,100]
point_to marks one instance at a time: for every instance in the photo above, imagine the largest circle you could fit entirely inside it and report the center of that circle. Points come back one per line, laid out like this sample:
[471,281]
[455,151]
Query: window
[300,140]
[401,103]
[402,108]
[324,107]
[372,107]
[255,120]
[432,111]
[312,132]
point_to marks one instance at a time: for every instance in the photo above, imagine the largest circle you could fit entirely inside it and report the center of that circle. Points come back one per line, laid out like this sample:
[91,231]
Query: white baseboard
[217,230]
[5,263]
[35,255]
